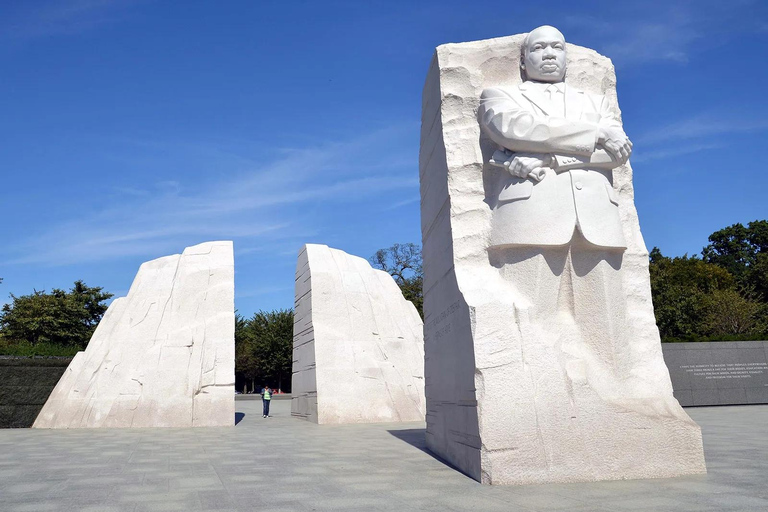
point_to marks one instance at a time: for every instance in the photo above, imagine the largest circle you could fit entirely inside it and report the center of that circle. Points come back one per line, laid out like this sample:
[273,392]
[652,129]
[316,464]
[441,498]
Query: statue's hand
[528,166]
[616,142]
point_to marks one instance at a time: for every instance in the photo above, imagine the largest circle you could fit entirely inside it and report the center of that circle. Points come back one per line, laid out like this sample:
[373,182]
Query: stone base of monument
[358,350]
[163,356]
[515,396]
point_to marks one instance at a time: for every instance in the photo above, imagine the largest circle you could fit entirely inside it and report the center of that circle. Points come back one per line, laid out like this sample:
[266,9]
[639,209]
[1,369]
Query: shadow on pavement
[417,437]
[413,436]
[239,417]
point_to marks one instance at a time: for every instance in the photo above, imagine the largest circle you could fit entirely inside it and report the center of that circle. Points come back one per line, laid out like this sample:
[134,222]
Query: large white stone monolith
[163,356]
[543,360]
[358,351]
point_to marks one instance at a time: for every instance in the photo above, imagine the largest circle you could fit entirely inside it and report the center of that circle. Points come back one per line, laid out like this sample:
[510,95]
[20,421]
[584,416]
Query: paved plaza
[285,464]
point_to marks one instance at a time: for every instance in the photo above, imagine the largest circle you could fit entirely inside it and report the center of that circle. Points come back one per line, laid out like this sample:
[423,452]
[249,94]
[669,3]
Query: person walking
[266,397]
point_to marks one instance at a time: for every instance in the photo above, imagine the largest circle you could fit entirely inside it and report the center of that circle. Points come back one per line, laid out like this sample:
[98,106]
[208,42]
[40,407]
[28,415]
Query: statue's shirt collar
[542,86]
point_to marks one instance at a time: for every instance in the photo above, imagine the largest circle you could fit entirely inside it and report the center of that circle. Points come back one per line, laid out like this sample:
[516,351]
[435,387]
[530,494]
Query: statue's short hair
[527,39]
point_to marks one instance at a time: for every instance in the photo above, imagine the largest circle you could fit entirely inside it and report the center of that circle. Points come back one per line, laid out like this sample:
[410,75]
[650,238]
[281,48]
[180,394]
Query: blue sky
[131,129]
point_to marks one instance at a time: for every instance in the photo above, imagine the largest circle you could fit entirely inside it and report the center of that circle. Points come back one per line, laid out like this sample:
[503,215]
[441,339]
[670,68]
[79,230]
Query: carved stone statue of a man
[556,234]
[559,146]
[542,358]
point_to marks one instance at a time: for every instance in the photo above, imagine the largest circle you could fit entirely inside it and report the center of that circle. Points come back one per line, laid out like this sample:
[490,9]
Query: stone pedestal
[164,356]
[512,398]
[358,351]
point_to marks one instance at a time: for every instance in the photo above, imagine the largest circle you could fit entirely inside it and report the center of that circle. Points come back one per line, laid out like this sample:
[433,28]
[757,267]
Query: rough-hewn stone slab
[358,351]
[511,399]
[161,357]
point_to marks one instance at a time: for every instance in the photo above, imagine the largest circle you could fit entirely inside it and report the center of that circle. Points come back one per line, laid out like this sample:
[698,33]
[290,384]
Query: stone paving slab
[284,464]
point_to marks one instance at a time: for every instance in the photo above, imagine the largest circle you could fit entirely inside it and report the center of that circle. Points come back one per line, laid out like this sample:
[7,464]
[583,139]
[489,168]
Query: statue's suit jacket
[578,192]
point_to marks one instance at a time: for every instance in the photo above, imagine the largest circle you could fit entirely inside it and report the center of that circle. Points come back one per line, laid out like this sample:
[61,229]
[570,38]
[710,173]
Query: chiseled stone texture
[358,350]
[164,356]
[506,404]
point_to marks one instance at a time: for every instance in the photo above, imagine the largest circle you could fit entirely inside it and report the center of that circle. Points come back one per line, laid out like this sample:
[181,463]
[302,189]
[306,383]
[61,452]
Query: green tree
[264,348]
[273,343]
[59,318]
[695,300]
[403,262]
[728,313]
[743,251]
[246,365]
[680,287]
[758,276]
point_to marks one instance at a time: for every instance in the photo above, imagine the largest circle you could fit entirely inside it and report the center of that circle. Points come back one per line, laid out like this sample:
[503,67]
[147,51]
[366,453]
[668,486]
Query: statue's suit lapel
[537,97]
[574,100]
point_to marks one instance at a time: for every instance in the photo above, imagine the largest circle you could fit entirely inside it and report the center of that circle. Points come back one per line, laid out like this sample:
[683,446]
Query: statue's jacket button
[577,185]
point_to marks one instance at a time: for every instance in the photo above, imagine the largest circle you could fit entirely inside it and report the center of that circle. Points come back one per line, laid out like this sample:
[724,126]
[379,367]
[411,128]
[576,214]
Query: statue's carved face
[544,55]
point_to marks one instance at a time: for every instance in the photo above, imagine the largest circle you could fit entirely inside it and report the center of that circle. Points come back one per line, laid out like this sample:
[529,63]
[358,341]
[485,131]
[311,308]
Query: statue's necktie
[557,99]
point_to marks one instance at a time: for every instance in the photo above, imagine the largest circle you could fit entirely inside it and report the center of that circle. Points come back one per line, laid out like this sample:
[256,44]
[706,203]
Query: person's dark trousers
[266,407]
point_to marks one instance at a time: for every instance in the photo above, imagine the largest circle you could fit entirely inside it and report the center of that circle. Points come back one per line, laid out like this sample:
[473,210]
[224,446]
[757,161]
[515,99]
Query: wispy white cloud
[263,204]
[654,41]
[659,154]
[702,132]
[242,251]
[704,125]
[665,31]
[641,41]
[35,20]
[400,204]
[130,191]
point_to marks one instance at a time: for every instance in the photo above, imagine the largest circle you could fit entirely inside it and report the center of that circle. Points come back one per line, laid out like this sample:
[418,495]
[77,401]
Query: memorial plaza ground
[285,464]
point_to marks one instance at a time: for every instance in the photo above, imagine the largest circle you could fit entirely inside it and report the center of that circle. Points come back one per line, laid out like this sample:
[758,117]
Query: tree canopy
[742,251]
[64,318]
[719,296]
[264,348]
[694,299]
